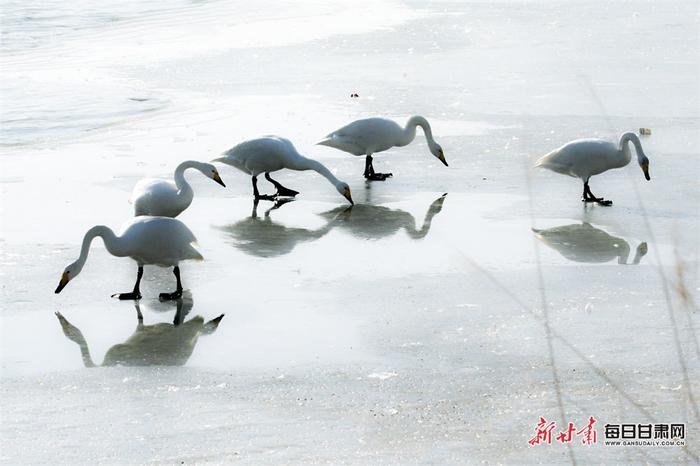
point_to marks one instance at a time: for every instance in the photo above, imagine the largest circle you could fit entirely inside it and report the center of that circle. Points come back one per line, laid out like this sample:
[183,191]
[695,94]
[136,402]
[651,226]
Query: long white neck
[624,147]
[182,185]
[112,243]
[409,132]
[304,163]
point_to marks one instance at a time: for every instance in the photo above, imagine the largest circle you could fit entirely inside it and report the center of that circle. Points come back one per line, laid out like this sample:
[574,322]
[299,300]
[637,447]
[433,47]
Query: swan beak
[62,284]
[348,196]
[218,179]
[645,169]
[441,157]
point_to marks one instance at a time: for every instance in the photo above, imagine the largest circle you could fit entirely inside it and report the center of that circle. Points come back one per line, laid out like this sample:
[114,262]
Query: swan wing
[161,241]
[582,158]
[364,136]
[263,154]
[156,197]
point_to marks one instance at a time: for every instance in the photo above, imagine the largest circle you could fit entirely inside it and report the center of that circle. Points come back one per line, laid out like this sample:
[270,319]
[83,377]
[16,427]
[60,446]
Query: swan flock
[155,237]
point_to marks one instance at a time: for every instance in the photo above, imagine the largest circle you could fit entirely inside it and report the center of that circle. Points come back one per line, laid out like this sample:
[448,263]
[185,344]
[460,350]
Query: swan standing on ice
[272,153]
[167,198]
[371,135]
[584,158]
[160,241]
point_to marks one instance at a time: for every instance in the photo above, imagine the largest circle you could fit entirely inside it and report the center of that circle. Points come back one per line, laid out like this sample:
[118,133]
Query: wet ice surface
[412,327]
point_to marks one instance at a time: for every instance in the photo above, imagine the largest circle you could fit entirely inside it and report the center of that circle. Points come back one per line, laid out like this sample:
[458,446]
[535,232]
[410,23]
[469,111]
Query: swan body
[167,198]
[584,158]
[160,241]
[270,154]
[368,136]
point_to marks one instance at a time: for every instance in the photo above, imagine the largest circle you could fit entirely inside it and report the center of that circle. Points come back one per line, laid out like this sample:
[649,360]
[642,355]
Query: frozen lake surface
[427,324]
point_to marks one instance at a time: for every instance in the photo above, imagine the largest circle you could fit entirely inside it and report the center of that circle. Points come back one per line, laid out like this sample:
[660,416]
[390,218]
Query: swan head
[344,190]
[210,171]
[644,163]
[436,150]
[69,273]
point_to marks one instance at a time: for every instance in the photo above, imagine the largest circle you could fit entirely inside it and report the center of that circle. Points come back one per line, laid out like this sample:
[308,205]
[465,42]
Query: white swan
[271,153]
[167,198]
[371,135]
[584,158]
[161,241]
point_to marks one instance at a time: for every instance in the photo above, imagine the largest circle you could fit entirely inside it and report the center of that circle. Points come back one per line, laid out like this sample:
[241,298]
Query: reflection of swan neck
[84,350]
[624,253]
[85,353]
[434,209]
[639,253]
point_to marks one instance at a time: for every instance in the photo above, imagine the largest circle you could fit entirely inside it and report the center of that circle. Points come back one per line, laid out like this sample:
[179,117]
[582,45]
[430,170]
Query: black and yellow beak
[218,179]
[645,169]
[62,284]
[441,157]
[348,196]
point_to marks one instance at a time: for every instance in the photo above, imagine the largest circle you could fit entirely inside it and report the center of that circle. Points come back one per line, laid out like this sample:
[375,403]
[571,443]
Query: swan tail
[338,142]
[196,255]
[546,160]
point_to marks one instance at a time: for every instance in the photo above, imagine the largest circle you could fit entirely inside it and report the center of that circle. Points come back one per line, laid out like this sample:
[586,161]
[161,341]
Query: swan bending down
[160,241]
[371,135]
[272,153]
[584,158]
[169,198]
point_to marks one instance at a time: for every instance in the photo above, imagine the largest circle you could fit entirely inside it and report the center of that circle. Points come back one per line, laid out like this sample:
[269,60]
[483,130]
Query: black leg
[370,174]
[178,291]
[281,190]
[136,294]
[588,196]
[256,193]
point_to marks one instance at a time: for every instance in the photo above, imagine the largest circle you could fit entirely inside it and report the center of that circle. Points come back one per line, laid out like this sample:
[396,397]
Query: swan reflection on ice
[162,344]
[375,222]
[586,243]
[263,237]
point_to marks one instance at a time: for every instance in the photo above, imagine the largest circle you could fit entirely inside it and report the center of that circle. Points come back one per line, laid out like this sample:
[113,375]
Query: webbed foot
[378,176]
[127,296]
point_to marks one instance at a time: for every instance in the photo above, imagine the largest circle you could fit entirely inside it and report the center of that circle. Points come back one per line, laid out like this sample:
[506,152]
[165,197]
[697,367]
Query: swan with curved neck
[170,198]
[584,158]
[272,153]
[160,241]
[371,135]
